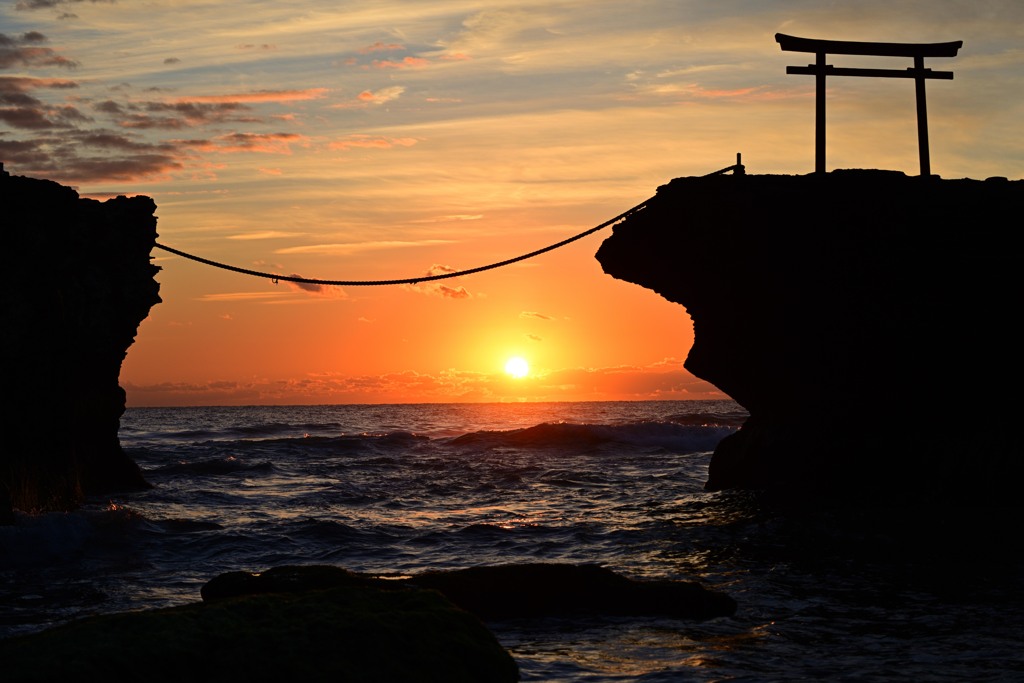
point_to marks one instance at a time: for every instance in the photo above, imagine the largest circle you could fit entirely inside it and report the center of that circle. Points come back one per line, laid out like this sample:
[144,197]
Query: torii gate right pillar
[819,115]
[922,118]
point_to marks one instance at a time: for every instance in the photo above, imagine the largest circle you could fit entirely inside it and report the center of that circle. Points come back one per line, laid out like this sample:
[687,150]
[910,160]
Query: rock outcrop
[79,282]
[325,623]
[540,589]
[508,591]
[865,319]
[345,631]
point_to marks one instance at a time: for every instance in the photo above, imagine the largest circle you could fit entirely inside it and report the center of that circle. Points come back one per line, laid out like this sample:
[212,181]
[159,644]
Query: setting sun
[517,367]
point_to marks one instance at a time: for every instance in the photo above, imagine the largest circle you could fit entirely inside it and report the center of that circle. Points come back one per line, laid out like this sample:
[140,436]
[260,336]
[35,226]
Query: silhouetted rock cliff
[864,318]
[78,282]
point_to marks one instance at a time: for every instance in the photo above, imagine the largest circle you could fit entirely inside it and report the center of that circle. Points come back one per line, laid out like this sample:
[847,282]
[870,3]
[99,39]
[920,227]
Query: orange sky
[386,139]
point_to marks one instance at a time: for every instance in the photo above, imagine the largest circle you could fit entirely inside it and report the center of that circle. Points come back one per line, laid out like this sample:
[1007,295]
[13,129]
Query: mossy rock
[348,633]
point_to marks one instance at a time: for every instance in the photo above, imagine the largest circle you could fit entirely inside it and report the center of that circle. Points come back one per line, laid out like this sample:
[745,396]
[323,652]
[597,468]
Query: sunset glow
[517,367]
[396,139]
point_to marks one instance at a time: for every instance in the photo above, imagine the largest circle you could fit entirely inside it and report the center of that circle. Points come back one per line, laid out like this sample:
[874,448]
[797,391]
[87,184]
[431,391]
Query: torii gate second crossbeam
[918,51]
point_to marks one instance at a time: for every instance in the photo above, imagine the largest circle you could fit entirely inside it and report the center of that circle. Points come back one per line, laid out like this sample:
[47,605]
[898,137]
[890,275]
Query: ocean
[863,594]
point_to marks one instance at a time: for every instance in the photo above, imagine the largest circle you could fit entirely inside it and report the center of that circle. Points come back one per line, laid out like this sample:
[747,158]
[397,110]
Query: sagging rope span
[737,168]
[403,281]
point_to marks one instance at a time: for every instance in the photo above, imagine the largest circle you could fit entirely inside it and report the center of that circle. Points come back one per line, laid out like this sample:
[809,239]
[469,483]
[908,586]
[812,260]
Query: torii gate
[848,47]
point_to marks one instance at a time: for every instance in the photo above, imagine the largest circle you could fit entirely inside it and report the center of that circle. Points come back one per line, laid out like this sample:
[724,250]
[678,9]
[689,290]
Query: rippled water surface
[823,595]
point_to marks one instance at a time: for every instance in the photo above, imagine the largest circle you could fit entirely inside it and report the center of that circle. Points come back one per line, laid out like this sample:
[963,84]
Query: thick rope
[738,168]
[403,281]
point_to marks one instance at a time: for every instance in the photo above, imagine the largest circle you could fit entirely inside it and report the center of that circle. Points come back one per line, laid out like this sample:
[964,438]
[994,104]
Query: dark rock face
[285,579]
[546,589]
[344,633]
[503,591]
[864,318]
[79,283]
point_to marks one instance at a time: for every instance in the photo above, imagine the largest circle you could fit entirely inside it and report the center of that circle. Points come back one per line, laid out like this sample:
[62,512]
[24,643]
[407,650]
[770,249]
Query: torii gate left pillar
[820,70]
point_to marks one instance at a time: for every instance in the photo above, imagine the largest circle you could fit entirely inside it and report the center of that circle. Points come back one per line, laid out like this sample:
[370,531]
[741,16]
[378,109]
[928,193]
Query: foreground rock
[865,319]
[348,632]
[323,623]
[536,590]
[505,591]
[80,281]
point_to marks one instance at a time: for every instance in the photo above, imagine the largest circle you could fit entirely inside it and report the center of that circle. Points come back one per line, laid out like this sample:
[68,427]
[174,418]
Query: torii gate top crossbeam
[917,51]
[854,47]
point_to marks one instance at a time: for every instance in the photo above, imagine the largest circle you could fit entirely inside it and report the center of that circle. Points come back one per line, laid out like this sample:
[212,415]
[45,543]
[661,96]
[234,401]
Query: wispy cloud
[261,96]
[496,28]
[284,294]
[370,142]
[32,114]
[446,288]
[450,292]
[681,91]
[381,47]
[266,143]
[264,235]
[348,248]
[48,4]
[76,156]
[22,84]
[316,289]
[190,112]
[451,217]
[407,62]
[373,97]
[87,150]
[172,115]
[27,50]
[240,296]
